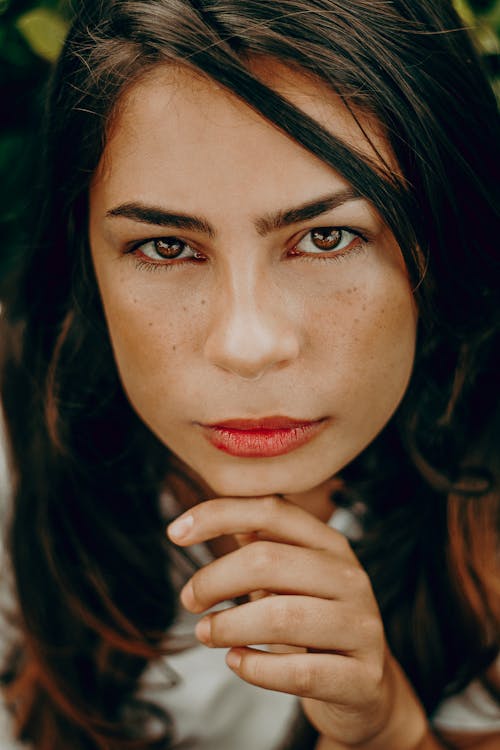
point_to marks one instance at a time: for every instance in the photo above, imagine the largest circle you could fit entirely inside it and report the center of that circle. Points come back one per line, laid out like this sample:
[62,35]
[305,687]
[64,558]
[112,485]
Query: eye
[324,240]
[166,248]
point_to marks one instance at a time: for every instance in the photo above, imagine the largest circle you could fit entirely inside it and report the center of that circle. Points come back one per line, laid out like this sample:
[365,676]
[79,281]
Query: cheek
[151,338]
[368,331]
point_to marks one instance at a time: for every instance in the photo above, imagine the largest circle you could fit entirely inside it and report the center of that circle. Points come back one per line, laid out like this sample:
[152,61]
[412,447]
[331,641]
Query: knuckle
[252,667]
[282,617]
[375,675]
[273,506]
[342,543]
[356,578]
[304,678]
[350,576]
[371,627]
[262,556]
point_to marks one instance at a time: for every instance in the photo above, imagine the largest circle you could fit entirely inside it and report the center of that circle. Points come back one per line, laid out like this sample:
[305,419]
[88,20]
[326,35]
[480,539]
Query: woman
[263,287]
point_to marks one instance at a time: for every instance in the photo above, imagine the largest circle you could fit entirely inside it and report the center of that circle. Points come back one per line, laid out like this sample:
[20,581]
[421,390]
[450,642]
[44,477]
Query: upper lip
[263,423]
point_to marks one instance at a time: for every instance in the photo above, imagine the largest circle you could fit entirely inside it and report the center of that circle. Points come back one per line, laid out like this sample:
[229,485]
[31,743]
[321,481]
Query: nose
[251,332]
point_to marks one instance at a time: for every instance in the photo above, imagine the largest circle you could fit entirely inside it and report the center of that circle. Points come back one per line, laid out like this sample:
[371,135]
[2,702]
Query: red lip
[266,423]
[261,438]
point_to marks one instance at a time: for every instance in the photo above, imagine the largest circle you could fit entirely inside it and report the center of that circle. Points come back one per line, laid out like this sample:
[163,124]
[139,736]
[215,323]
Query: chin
[257,482]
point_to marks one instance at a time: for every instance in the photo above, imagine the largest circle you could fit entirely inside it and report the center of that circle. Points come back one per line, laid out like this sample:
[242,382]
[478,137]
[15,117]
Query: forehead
[176,126]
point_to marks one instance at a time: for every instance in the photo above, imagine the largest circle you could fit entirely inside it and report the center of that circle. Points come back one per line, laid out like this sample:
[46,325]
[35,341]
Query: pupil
[169,248]
[326,239]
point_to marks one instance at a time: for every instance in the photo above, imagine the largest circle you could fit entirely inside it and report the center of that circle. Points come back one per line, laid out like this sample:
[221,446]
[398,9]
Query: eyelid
[131,247]
[349,214]
[134,244]
[363,234]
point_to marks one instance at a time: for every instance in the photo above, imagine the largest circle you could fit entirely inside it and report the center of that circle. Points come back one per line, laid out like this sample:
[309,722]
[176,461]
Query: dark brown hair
[87,546]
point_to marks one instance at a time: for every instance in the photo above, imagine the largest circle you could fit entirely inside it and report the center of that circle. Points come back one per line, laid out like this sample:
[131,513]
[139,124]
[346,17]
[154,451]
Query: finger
[270,517]
[295,621]
[327,677]
[244,539]
[280,569]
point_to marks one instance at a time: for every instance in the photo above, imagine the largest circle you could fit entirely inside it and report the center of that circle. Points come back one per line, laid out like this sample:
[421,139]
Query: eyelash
[152,265]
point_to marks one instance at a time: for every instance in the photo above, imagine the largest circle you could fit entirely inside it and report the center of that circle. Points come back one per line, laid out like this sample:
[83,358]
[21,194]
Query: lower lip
[261,442]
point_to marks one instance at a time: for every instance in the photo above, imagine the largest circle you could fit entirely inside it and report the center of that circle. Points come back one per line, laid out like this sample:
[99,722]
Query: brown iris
[326,239]
[169,247]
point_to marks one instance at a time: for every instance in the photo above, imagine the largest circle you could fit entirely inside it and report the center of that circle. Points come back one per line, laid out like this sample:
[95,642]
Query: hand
[323,603]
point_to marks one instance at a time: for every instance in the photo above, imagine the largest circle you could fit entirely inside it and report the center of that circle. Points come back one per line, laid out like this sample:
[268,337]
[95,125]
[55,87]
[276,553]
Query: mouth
[262,438]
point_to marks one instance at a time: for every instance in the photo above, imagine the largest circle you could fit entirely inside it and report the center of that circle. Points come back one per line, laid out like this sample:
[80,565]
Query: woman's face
[243,279]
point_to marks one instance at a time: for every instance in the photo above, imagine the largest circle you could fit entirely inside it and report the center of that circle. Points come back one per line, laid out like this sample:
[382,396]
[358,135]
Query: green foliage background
[31,35]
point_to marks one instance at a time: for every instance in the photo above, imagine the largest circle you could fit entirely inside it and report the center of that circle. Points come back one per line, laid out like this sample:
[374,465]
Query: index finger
[271,517]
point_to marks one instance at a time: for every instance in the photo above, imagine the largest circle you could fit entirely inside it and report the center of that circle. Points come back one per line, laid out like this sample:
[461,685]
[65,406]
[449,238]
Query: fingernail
[203,630]
[181,528]
[233,659]
[187,597]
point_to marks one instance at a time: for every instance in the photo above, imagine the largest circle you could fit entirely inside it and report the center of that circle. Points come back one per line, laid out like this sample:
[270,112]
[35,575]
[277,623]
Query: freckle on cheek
[174,348]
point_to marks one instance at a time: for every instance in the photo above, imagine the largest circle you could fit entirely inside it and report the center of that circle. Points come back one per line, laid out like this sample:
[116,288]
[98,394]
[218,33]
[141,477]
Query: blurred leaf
[463,9]
[482,6]
[489,42]
[484,24]
[13,49]
[493,17]
[44,30]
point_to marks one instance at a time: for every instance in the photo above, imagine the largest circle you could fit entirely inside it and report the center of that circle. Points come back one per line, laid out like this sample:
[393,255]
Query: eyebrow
[272,222]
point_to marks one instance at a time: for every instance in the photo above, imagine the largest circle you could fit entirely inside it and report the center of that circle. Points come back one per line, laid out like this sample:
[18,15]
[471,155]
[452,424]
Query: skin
[259,326]
[253,330]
